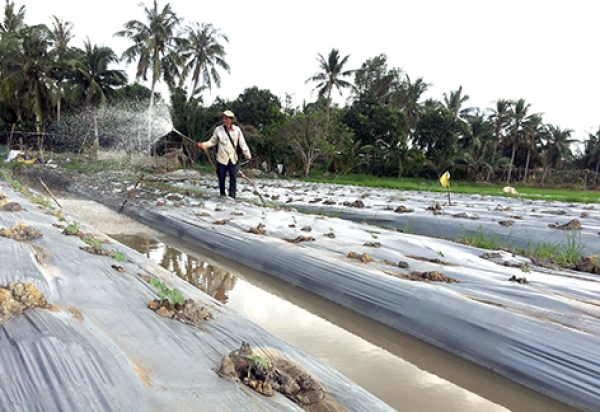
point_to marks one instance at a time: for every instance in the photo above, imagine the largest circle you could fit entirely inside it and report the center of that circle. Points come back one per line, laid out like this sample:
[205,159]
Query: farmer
[227,138]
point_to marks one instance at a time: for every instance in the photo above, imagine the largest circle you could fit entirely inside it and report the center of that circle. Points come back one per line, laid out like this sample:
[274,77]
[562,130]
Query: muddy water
[407,374]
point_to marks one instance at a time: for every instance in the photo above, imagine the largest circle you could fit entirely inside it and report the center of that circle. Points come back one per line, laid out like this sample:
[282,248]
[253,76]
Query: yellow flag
[445,179]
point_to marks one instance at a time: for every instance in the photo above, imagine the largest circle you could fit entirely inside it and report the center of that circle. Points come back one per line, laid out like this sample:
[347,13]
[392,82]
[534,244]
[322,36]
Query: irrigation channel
[402,371]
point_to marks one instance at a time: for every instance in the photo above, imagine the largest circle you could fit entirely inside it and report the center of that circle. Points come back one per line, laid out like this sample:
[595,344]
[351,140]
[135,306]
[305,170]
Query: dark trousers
[221,172]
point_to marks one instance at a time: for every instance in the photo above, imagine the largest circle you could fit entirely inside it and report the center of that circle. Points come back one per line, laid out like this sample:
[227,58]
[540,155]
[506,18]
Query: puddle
[402,371]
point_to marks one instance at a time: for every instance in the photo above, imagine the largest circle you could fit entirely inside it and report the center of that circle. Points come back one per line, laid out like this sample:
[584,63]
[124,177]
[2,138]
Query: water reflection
[212,280]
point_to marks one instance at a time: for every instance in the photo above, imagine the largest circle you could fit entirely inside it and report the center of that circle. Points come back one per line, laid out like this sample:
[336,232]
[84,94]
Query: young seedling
[165,293]
[255,358]
[525,269]
[294,220]
[120,256]
[441,253]
[72,229]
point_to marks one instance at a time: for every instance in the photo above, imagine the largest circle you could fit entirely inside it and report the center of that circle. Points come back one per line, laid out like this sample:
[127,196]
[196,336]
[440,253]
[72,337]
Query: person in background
[227,137]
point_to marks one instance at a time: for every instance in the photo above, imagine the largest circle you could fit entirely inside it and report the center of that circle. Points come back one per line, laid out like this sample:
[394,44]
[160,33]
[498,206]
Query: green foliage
[120,256]
[72,229]
[565,253]
[255,358]
[93,242]
[483,240]
[165,293]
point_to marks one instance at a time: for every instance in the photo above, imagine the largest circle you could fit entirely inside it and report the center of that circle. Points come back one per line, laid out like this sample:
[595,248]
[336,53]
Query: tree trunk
[512,161]
[527,165]
[58,111]
[597,167]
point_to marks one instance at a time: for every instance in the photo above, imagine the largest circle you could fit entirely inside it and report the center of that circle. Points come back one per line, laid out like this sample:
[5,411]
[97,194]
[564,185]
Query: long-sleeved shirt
[226,151]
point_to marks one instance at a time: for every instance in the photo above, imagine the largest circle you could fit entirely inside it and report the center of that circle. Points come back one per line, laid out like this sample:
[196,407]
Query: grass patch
[25,191]
[92,166]
[483,240]
[565,254]
[578,196]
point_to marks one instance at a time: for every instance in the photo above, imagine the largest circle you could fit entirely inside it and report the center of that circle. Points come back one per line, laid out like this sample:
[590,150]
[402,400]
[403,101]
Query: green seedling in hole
[441,253]
[164,292]
[72,229]
[93,242]
[294,219]
[120,256]
[525,269]
[255,358]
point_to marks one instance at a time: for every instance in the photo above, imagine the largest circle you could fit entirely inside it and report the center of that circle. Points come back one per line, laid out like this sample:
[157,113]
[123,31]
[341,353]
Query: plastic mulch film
[534,325]
[99,348]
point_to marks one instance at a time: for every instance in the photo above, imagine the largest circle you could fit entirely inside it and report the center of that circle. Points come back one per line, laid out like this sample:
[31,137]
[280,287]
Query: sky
[544,51]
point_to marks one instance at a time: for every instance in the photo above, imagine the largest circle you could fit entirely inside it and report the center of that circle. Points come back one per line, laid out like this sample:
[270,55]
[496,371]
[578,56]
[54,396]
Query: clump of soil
[546,262]
[9,206]
[590,264]
[372,244]
[404,265]
[96,247]
[220,222]
[20,232]
[431,276]
[302,239]
[17,297]
[307,229]
[316,200]
[279,374]
[515,217]
[357,203]
[403,209]
[329,202]
[434,260]
[463,215]
[258,230]
[330,235]
[501,209]
[506,222]
[203,214]
[513,278]
[42,255]
[237,213]
[364,257]
[436,209]
[189,313]
[491,255]
[555,212]
[574,224]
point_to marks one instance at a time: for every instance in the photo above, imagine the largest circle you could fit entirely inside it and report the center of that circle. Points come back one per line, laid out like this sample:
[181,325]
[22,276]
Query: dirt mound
[590,264]
[431,276]
[189,313]
[357,203]
[9,206]
[258,230]
[17,297]
[574,224]
[20,232]
[364,257]
[301,239]
[276,372]
[403,209]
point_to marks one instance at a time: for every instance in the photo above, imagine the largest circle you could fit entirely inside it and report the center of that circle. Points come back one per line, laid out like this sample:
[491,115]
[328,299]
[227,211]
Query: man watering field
[227,138]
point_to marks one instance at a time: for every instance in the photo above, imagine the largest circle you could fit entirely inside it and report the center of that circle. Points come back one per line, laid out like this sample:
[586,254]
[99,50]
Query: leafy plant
[93,242]
[255,358]
[164,292]
[120,256]
[72,229]
[441,253]
[525,269]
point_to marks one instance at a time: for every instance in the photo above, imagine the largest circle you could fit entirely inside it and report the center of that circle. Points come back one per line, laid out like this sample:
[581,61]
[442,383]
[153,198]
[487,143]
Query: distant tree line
[386,128]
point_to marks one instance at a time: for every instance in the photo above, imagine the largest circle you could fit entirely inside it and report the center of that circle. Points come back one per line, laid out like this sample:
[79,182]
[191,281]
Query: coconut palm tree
[454,102]
[592,148]
[532,130]
[13,21]
[330,75]
[93,78]
[28,71]
[407,99]
[204,54]
[154,46]
[500,117]
[60,36]
[518,115]
[558,147]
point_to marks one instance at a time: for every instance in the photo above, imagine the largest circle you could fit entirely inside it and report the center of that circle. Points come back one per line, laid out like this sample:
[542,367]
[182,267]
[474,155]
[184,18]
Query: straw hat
[228,113]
